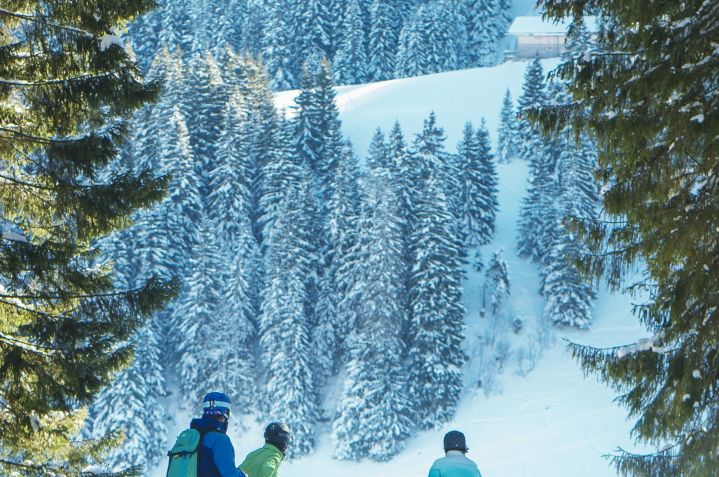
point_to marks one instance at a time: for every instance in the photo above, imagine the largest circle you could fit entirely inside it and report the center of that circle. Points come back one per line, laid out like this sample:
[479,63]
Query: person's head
[216,406]
[278,434]
[454,440]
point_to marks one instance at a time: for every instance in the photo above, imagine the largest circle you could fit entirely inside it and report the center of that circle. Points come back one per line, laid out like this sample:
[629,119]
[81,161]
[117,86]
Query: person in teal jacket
[455,463]
[265,461]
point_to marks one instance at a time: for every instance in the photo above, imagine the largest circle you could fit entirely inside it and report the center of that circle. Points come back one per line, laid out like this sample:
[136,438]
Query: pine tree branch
[53,81]
[37,349]
[79,296]
[44,21]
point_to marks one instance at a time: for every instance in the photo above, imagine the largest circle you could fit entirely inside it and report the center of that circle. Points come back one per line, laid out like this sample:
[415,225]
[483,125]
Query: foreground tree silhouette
[651,102]
[68,84]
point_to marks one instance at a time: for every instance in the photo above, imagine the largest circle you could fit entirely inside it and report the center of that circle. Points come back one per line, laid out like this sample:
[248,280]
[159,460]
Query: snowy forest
[363,40]
[302,261]
[182,210]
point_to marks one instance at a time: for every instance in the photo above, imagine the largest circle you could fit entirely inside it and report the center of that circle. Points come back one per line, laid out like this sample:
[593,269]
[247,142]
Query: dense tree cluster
[364,40]
[561,188]
[296,265]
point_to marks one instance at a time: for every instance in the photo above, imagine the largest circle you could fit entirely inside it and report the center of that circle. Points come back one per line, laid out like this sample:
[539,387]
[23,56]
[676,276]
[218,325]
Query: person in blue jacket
[216,455]
[455,463]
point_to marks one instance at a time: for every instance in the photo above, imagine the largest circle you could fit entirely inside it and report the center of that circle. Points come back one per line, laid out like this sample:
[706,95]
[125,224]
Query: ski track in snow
[552,422]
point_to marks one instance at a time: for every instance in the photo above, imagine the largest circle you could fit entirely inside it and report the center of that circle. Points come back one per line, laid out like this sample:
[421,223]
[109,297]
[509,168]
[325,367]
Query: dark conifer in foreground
[654,116]
[65,325]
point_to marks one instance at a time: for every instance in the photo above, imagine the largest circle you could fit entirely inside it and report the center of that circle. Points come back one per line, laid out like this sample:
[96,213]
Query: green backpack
[183,456]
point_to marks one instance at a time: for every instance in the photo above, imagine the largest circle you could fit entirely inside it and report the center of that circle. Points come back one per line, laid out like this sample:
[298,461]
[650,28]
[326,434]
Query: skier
[265,461]
[455,463]
[216,455]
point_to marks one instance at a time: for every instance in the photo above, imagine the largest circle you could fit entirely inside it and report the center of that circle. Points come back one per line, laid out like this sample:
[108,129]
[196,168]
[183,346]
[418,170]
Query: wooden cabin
[531,36]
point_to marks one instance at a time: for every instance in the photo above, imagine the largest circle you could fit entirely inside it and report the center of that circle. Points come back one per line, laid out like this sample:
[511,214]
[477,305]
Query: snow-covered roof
[535,25]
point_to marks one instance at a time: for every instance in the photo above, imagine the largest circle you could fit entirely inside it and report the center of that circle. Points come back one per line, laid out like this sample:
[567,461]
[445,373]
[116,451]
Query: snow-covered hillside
[551,422]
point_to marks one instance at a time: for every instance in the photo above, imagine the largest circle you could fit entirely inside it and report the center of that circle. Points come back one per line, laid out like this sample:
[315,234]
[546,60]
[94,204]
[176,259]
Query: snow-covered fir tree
[378,154]
[340,229]
[383,39]
[276,51]
[229,206]
[507,141]
[437,321]
[373,416]
[411,57]
[429,41]
[530,139]
[481,32]
[177,25]
[200,320]
[477,177]
[403,178]
[350,63]
[325,22]
[538,217]
[567,293]
[133,403]
[318,137]
[285,331]
[430,157]
[257,23]
[496,291]
[204,99]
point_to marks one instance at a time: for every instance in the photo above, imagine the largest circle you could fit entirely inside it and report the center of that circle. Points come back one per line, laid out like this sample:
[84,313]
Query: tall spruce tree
[403,179]
[276,50]
[437,320]
[481,32]
[334,322]
[286,325]
[507,142]
[652,107]
[383,39]
[531,143]
[230,214]
[350,62]
[477,206]
[64,327]
[373,418]
[203,100]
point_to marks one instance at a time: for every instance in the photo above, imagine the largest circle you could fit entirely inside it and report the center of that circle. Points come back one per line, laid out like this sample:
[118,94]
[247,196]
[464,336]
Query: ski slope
[553,422]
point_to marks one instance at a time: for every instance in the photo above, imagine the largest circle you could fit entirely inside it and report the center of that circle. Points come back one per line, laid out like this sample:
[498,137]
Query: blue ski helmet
[216,404]
[454,440]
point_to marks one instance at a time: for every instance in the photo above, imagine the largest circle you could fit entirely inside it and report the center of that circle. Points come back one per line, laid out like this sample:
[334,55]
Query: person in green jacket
[455,463]
[265,461]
